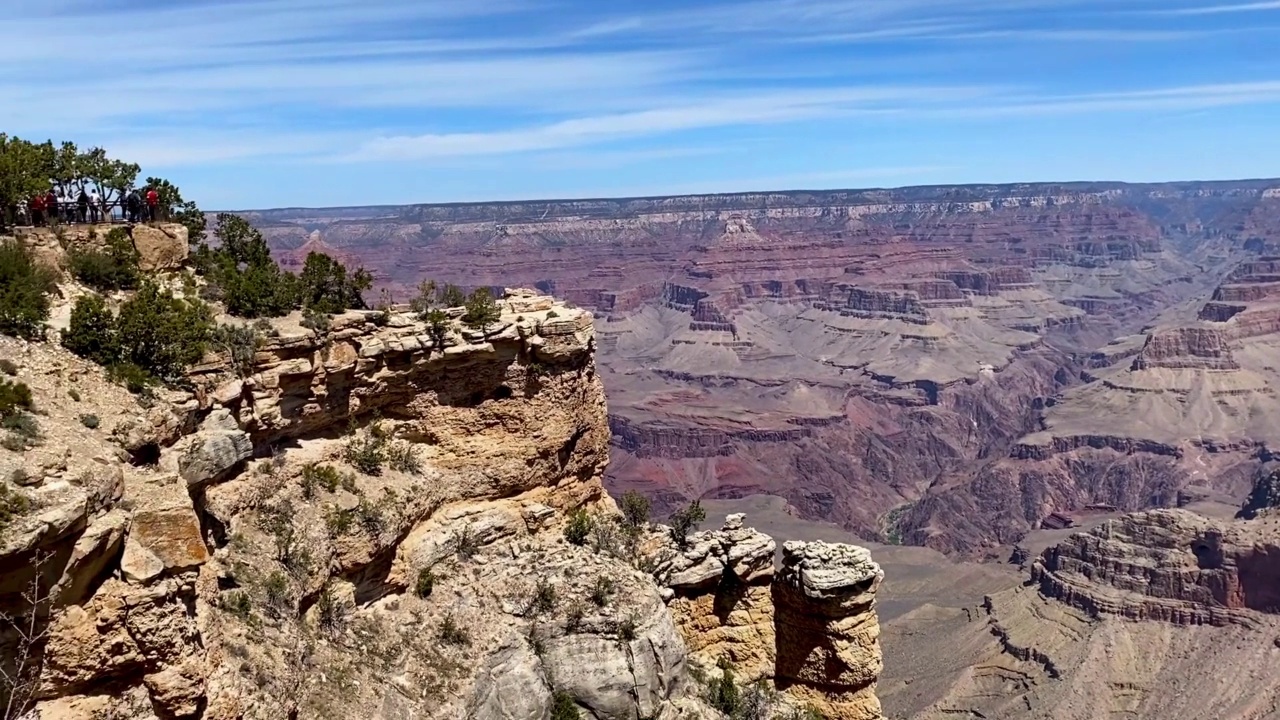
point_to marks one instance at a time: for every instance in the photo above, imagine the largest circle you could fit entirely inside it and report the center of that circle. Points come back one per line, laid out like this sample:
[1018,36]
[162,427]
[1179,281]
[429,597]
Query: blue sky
[266,103]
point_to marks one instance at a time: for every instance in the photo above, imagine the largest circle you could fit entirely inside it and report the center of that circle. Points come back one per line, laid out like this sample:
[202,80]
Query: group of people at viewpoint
[88,206]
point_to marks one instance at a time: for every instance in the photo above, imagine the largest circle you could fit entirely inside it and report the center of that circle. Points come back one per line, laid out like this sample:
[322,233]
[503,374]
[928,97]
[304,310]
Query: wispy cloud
[207,85]
[1221,9]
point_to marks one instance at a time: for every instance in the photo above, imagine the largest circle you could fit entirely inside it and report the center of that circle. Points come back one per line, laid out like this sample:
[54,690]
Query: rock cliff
[358,523]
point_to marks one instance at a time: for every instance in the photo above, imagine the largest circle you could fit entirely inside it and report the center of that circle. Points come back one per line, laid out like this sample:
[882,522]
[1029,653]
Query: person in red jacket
[51,209]
[36,204]
[153,203]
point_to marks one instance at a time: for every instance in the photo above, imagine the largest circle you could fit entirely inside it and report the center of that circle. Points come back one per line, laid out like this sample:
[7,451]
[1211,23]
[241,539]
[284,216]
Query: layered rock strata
[809,626]
[362,522]
[1168,565]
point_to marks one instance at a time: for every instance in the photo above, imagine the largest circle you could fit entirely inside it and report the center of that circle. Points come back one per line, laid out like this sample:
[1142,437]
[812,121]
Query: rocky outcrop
[363,522]
[810,626]
[1168,565]
[1186,347]
[721,598]
[160,246]
[828,634]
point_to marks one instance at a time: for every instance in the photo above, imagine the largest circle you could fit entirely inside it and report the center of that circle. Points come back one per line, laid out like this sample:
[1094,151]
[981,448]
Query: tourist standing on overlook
[95,205]
[133,205]
[82,205]
[52,211]
[153,201]
[37,210]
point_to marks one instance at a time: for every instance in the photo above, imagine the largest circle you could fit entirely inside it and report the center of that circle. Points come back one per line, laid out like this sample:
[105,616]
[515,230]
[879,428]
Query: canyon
[938,366]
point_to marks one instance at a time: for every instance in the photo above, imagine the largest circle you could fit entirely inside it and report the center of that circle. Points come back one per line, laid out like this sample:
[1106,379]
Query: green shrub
[366,453]
[544,598]
[403,457]
[8,367]
[482,311]
[563,707]
[466,544]
[238,603]
[370,518]
[339,522]
[579,527]
[574,615]
[315,320]
[13,505]
[240,343]
[635,510]
[552,314]
[626,629]
[154,332]
[315,474]
[114,268]
[602,590]
[24,292]
[89,421]
[685,520]
[452,634]
[133,378]
[326,287]
[331,612]
[277,591]
[22,425]
[74,394]
[723,694]
[15,397]
[425,584]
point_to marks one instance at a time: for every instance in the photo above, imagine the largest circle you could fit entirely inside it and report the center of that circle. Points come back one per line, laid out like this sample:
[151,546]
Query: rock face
[1168,565]
[365,523]
[828,635]
[810,627]
[867,354]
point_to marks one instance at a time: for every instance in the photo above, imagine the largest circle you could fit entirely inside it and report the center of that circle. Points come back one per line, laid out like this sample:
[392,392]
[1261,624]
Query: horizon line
[1103,184]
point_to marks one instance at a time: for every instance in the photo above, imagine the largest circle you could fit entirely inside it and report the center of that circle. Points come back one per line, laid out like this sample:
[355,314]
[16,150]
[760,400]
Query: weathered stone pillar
[828,636]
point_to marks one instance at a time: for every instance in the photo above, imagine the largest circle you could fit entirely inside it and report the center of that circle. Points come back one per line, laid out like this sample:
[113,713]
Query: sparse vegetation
[635,510]
[579,527]
[238,603]
[240,343]
[603,590]
[316,475]
[13,505]
[543,599]
[403,457]
[574,615]
[15,397]
[563,707]
[277,591]
[24,291]
[366,453]
[552,314]
[453,634]
[625,629]
[113,268]
[331,611]
[466,544]
[8,367]
[425,583]
[74,394]
[723,694]
[684,521]
[291,549]
[90,421]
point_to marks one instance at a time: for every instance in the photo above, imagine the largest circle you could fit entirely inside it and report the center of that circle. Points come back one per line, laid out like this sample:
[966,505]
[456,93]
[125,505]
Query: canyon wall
[875,357]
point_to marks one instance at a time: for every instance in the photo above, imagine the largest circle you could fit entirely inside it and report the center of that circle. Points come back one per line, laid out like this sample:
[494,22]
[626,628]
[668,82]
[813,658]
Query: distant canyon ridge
[942,366]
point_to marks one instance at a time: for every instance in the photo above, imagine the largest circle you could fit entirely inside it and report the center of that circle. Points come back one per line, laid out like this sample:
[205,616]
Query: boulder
[160,247]
[217,448]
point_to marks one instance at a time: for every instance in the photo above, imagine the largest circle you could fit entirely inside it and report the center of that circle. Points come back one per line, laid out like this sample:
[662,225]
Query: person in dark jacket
[82,205]
[133,205]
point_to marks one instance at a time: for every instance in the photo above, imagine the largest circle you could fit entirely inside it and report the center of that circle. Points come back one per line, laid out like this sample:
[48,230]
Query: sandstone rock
[218,447]
[160,247]
[828,634]
[92,555]
[178,690]
[166,540]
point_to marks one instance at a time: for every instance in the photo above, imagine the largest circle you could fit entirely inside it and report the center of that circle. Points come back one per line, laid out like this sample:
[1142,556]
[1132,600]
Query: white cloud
[1221,9]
